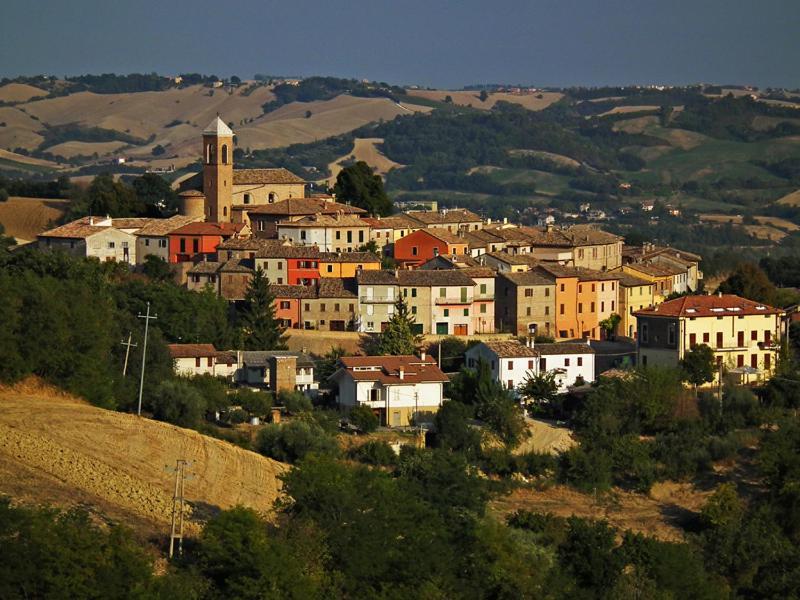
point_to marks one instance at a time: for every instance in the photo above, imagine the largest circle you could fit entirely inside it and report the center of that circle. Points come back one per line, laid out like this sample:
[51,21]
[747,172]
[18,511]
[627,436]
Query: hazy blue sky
[434,43]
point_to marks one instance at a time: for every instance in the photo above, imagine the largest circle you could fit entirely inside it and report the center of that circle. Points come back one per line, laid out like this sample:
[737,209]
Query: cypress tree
[399,338]
[260,329]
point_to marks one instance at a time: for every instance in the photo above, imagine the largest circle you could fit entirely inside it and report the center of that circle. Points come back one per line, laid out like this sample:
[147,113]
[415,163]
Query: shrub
[535,464]
[375,452]
[294,402]
[585,469]
[179,403]
[255,403]
[498,461]
[237,416]
[362,417]
[292,441]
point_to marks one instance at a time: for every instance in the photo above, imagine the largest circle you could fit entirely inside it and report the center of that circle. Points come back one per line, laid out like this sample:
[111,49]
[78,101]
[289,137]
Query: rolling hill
[57,449]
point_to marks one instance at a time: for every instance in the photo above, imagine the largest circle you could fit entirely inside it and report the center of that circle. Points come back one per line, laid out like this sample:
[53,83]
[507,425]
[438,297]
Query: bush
[498,461]
[585,469]
[375,452]
[256,403]
[179,403]
[3,195]
[292,441]
[214,391]
[237,416]
[362,417]
[535,464]
[294,402]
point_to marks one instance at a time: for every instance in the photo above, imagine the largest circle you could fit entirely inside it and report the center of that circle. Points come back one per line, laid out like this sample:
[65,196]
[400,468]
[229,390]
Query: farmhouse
[202,359]
[400,390]
[105,239]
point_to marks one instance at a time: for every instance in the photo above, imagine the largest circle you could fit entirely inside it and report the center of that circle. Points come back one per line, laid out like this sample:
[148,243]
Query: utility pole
[146,318]
[176,532]
[127,352]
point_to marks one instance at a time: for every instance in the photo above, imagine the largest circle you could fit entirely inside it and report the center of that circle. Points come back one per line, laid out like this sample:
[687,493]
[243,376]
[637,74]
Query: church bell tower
[218,171]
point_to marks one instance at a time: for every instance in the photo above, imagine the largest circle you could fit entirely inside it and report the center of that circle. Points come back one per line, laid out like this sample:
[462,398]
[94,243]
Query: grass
[550,184]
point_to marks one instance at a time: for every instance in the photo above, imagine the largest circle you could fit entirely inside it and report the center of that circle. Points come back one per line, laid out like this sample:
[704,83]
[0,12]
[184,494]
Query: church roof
[280,175]
[218,127]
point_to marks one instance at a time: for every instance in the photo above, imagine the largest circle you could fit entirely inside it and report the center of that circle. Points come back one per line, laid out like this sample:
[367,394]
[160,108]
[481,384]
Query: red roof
[709,306]
[223,229]
[192,350]
[386,369]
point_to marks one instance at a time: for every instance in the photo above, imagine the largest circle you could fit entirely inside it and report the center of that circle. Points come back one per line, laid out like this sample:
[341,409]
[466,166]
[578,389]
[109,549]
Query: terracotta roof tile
[349,257]
[455,215]
[297,207]
[221,229]
[161,227]
[292,291]
[280,176]
[192,350]
[709,306]
[386,369]
[510,349]
[331,287]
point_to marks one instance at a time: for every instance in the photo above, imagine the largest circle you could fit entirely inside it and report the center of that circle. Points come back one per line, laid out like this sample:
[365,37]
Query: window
[224,211]
[336,307]
[528,311]
[644,333]
[767,359]
[754,361]
[197,362]
[302,234]
[224,154]
[483,309]
[247,198]
[612,305]
[195,245]
[322,307]
[446,312]
[547,292]
[529,292]
[740,339]
[705,338]
[602,307]
[767,336]
[580,307]
[753,335]
[511,365]
[593,289]
[349,237]
[285,304]
[740,360]
[510,384]
[146,242]
[561,309]
[413,310]
[162,243]
[442,292]
[566,362]
[692,340]
[413,292]
[580,361]
[330,268]
[562,287]
[466,312]
[308,307]
[543,364]
[580,289]
[671,334]
[547,310]
[530,364]
[719,339]
[361,235]
[208,363]
[592,305]
[414,251]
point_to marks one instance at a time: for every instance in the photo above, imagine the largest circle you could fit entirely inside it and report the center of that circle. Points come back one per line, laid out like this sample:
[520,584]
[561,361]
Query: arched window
[224,154]
[224,211]
[272,197]
[211,154]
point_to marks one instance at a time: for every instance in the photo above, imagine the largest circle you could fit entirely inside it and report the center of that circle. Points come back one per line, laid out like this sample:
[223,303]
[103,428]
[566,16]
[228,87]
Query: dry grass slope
[58,449]
[25,218]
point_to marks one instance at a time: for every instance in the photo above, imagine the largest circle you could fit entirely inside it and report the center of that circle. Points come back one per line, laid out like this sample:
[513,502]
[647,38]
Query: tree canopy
[359,186]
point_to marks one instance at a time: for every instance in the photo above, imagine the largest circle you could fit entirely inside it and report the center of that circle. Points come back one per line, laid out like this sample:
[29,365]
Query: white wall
[572,370]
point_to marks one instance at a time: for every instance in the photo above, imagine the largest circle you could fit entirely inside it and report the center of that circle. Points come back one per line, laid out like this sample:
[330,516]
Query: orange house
[577,304]
[200,240]
[345,265]
[289,305]
[424,244]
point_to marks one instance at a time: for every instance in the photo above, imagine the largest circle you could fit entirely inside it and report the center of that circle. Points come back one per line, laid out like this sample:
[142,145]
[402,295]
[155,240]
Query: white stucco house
[401,390]
[202,359]
[511,361]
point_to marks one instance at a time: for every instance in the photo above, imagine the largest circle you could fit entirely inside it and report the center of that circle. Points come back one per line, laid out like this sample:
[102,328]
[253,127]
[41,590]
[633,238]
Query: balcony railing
[459,300]
[377,299]
[483,297]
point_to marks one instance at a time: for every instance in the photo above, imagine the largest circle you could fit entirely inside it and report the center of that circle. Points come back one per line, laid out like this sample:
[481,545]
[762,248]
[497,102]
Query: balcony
[459,300]
[484,297]
[377,299]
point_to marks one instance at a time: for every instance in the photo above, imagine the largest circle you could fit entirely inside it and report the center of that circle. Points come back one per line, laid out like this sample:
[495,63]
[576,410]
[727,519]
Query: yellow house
[401,226]
[744,335]
[634,295]
[660,277]
[347,264]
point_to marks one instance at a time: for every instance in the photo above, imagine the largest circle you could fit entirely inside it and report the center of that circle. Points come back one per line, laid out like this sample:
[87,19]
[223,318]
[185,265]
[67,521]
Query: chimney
[531,341]
[91,220]
[422,355]
[719,294]
[401,373]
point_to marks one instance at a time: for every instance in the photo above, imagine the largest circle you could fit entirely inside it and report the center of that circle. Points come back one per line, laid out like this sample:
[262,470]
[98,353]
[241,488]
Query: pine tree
[260,329]
[399,338]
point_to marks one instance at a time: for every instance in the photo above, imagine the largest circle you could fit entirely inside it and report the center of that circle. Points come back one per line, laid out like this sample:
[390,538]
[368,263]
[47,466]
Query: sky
[444,44]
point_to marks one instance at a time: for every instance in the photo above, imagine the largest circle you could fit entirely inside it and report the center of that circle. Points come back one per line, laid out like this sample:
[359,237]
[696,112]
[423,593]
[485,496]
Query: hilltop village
[333,267]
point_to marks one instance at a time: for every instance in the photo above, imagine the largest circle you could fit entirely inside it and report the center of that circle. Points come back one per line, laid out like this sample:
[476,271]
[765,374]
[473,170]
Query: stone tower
[218,171]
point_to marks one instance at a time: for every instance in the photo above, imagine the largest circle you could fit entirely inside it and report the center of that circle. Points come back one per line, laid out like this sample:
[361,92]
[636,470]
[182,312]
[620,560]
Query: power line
[127,352]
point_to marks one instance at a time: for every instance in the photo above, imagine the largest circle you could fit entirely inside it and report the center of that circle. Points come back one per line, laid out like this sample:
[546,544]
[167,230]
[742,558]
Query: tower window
[224,154]
[272,197]
[247,198]
[224,211]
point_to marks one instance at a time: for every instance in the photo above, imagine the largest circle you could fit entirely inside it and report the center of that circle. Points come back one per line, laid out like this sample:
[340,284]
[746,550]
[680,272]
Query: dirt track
[56,449]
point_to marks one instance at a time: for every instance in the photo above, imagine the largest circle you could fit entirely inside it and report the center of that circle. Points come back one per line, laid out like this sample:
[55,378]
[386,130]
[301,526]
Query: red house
[200,240]
[424,244]
[289,265]
[288,303]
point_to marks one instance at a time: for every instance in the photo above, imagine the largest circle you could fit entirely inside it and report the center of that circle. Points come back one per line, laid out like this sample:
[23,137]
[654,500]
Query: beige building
[335,307]
[105,239]
[453,220]
[377,294]
[401,226]
[152,239]
[685,265]
[330,233]
[525,303]
[744,335]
